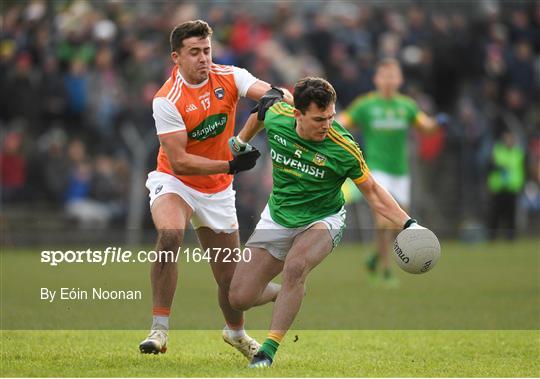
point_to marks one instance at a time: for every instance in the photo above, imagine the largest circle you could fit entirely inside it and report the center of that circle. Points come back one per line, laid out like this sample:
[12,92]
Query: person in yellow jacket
[505,181]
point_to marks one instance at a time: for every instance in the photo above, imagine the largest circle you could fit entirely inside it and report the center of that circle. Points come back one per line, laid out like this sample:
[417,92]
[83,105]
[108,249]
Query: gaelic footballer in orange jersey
[194,114]
[207,112]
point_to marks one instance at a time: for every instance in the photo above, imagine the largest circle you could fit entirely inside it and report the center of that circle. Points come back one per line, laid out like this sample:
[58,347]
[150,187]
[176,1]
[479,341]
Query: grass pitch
[481,304]
[315,354]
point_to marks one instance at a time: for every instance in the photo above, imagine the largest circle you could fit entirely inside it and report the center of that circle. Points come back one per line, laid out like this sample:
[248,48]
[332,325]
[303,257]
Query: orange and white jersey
[207,112]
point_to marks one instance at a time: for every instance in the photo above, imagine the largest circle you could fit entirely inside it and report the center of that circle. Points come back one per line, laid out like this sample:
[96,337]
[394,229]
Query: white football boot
[245,344]
[155,343]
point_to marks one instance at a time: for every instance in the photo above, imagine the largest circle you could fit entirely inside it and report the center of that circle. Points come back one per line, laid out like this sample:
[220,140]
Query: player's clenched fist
[244,162]
[239,147]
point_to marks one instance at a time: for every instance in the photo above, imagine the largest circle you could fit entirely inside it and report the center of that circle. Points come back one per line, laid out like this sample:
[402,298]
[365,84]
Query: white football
[417,249]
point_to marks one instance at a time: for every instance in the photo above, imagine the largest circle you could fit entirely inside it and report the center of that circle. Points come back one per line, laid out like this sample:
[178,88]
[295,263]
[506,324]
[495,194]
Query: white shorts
[277,239]
[216,211]
[398,186]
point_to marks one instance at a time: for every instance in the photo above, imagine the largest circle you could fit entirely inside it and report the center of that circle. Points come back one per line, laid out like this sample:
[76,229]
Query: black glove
[266,101]
[244,162]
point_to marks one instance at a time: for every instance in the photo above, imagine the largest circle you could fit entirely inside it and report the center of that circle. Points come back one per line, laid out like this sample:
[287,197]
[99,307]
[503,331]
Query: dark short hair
[387,62]
[316,90]
[188,29]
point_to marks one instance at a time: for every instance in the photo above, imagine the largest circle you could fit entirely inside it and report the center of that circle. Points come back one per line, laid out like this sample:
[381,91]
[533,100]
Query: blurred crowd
[73,74]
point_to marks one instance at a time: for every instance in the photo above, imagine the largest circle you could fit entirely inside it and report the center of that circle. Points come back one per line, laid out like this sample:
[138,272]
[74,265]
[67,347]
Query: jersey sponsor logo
[388,119]
[319,159]
[210,127]
[377,112]
[191,108]
[297,165]
[220,93]
[390,123]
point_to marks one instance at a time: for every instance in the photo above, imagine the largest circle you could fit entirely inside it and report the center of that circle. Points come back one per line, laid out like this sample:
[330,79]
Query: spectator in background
[531,198]
[76,84]
[516,107]
[104,92]
[320,38]
[521,69]
[79,206]
[505,182]
[13,169]
[474,135]
[54,169]
[446,60]
[108,185]
[21,90]
[417,33]
[79,177]
[520,26]
[53,93]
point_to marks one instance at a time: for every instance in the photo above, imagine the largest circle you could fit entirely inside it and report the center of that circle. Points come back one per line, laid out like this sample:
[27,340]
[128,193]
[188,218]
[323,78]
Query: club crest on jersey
[220,93]
[319,159]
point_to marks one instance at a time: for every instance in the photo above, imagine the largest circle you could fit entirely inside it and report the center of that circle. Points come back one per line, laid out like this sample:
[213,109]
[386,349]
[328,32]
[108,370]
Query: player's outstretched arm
[251,128]
[382,202]
[183,163]
[239,144]
[259,88]
[287,96]
[427,124]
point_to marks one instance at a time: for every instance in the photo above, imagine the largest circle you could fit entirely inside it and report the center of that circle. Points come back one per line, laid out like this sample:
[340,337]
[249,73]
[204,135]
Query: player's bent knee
[240,300]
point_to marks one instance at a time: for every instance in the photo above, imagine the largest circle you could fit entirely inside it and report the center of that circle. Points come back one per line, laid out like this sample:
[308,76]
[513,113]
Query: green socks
[371,262]
[270,347]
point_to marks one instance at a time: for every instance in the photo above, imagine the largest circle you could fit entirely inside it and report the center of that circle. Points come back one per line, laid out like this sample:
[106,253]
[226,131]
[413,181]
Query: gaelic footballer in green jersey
[385,123]
[384,118]
[308,175]
[311,156]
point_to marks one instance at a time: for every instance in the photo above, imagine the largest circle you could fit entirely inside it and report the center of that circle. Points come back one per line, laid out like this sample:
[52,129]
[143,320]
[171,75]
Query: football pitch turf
[315,354]
[476,314]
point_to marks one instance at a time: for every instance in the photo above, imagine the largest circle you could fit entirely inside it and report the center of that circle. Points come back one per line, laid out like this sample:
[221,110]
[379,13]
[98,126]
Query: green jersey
[307,174]
[384,124]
